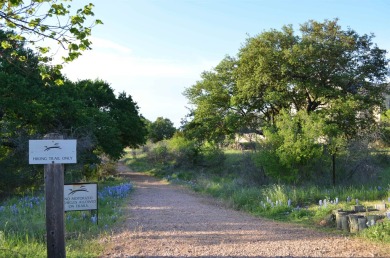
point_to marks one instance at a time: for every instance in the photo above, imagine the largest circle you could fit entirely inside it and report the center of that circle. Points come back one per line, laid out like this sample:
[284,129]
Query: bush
[212,157]
[250,173]
[185,152]
[158,153]
[378,232]
[107,169]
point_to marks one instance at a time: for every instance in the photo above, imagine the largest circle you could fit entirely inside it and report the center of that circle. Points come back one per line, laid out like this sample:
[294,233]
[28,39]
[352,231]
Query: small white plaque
[78,197]
[52,151]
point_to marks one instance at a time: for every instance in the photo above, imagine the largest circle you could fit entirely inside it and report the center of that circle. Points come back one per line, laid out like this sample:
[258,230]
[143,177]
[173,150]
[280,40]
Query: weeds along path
[166,220]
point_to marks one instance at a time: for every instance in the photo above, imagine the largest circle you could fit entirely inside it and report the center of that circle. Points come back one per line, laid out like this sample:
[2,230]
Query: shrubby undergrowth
[22,227]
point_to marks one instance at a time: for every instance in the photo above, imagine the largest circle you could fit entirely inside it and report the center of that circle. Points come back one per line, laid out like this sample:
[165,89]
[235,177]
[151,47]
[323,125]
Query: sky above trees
[154,50]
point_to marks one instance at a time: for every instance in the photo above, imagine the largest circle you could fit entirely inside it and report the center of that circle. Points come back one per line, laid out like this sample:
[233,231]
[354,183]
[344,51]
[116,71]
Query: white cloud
[155,84]
[109,45]
[108,59]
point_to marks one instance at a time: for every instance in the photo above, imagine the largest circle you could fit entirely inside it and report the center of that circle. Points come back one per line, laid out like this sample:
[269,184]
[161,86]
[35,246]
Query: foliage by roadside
[22,227]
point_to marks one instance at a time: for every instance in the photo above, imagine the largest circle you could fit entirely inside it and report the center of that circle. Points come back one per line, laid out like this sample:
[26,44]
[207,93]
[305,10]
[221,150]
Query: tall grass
[297,204]
[22,223]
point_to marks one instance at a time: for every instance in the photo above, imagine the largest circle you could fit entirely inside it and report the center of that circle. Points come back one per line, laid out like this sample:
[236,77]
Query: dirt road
[167,221]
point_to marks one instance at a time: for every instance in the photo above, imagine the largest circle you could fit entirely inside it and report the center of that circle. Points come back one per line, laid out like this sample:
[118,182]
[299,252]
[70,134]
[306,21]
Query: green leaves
[215,115]
[54,21]
[161,129]
[318,87]
[6,44]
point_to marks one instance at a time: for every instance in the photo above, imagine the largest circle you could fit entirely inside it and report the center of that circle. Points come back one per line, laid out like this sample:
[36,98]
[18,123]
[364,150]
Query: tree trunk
[334,169]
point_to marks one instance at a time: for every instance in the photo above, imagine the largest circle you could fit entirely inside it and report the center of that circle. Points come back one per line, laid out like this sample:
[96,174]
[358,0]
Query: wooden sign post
[54,194]
[53,152]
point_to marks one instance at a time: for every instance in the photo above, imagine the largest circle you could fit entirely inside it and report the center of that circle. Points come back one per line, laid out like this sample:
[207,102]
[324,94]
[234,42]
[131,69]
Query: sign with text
[78,197]
[52,151]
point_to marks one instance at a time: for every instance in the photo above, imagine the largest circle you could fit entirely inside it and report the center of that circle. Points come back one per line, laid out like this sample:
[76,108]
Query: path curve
[164,220]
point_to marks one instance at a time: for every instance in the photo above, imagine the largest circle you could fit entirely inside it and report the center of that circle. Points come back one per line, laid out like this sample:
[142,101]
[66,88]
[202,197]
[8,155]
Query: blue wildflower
[14,209]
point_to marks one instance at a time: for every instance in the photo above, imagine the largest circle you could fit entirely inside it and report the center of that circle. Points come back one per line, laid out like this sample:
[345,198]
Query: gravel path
[167,221]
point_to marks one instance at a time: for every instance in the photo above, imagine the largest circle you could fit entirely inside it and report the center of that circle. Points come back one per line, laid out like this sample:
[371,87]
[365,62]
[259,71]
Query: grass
[22,223]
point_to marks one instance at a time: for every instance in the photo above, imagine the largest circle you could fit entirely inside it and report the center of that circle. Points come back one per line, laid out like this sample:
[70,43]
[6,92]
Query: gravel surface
[167,221]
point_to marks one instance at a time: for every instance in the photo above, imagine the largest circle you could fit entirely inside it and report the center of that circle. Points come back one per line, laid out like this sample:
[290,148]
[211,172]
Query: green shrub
[185,152]
[159,153]
[301,214]
[378,232]
[212,157]
[251,174]
[291,146]
[107,169]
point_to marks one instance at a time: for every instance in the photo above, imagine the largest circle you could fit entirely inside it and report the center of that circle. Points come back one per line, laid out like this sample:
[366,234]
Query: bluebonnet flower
[119,191]
[94,219]
[14,209]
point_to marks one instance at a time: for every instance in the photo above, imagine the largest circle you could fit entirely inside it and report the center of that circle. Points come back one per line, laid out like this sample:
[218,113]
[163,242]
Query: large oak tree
[336,74]
[321,69]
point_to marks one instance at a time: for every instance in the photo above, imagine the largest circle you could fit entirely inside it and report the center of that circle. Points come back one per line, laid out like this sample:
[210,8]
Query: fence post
[54,194]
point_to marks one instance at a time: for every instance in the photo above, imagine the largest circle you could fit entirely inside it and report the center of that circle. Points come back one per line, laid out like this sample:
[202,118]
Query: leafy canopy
[161,129]
[40,20]
[311,91]
[89,111]
[323,68]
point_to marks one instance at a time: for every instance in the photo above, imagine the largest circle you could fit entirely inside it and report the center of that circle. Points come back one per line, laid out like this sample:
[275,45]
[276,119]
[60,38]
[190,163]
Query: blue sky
[154,49]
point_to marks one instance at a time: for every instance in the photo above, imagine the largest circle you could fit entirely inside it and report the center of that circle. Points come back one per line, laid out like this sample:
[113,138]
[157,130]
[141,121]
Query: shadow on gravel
[237,256]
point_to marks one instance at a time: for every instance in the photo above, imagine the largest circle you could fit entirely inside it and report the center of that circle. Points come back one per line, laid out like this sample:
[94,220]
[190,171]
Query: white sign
[52,151]
[79,197]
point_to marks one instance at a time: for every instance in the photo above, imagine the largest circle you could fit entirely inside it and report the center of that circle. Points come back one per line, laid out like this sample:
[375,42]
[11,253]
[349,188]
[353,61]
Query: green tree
[41,20]
[85,110]
[111,122]
[385,127]
[280,70]
[337,76]
[263,74]
[215,116]
[161,129]
[130,123]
